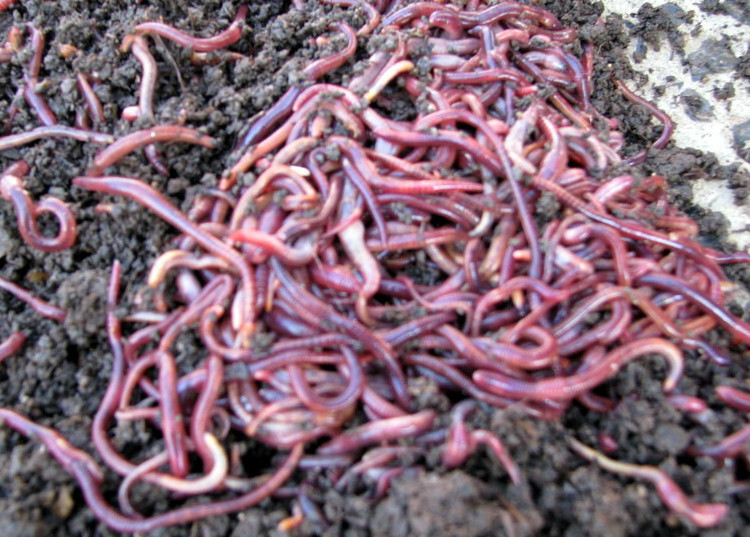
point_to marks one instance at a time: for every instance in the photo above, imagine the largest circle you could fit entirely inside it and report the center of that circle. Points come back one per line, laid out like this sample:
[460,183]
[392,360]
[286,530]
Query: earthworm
[664,119]
[567,387]
[135,140]
[153,200]
[462,442]
[198,44]
[139,47]
[10,345]
[703,515]
[11,189]
[734,397]
[5,4]
[93,104]
[53,131]
[40,306]
[378,431]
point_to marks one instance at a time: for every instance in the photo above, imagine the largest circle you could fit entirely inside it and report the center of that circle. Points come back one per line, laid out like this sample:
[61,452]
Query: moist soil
[60,375]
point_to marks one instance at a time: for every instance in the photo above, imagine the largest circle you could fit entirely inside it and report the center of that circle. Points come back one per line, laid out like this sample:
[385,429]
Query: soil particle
[713,56]
[722,93]
[741,135]
[743,64]
[655,23]
[738,9]
[432,505]
[696,107]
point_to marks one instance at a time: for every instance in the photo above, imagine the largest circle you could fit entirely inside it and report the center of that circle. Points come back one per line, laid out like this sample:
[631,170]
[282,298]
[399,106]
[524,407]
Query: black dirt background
[61,373]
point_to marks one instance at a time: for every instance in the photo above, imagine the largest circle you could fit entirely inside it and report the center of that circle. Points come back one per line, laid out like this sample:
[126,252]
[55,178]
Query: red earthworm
[341,402]
[153,200]
[330,63]
[205,483]
[318,311]
[412,11]
[485,76]
[663,117]
[734,397]
[438,206]
[378,431]
[337,278]
[568,387]
[11,345]
[557,156]
[440,137]
[461,442]
[370,174]
[39,105]
[513,34]
[43,308]
[37,46]
[352,239]
[53,131]
[267,120]
[139,47]
[703,515]
[504,292]
[228,37]
[175,437]
[448,21]
[289,256]
[130,142]
[210,339]
[386,77]
[93,104]
[200,416]
[5,4]
[418,239]
[687,403]
[458,379]
[729,447]
[493,14]
[11,189]
[360,182]
[446,62]
[416,328]
[541,355]
[71,458]
[172,259]
[31,77]
[735,326]
[468,349]
[94,498]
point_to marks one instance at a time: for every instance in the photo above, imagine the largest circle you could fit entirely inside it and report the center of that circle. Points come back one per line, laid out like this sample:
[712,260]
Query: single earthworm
[703,515]
[11,345]
[135,140]
[53,131]
[199,44]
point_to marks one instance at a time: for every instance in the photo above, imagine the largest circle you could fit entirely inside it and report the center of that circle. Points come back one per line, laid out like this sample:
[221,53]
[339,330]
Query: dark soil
[60,375]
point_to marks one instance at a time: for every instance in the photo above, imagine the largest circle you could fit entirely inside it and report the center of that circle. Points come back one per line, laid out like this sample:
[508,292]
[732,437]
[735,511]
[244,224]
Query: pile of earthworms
[390,233]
